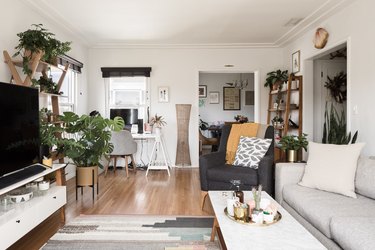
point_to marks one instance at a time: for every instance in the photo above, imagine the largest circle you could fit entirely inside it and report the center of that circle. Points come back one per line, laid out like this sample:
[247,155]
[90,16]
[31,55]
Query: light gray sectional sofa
[339,222]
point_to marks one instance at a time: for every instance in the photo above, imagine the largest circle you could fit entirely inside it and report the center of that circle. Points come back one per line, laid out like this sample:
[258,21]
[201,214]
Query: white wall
[179,69]
[18,17]
[353,24]
[213,113]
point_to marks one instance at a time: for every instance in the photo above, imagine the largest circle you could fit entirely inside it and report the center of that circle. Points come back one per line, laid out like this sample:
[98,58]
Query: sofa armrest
[287,173]
[209,161]
[265,174]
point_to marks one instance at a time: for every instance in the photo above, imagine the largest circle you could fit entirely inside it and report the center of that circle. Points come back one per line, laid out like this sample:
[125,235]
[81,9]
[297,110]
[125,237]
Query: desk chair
[124,146]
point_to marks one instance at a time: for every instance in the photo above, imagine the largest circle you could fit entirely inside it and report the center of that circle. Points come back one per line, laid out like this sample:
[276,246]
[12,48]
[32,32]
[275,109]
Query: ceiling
[220,23]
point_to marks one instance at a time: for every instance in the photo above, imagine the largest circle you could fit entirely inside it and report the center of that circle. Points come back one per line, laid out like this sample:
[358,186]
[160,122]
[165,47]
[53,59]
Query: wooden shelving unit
[36,65]
[286,111]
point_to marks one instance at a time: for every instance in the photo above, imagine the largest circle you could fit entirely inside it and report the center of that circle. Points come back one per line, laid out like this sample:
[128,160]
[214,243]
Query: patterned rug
[134,232]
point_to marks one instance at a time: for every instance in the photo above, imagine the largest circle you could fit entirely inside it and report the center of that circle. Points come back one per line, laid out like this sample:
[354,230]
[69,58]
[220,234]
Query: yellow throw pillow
[238,130]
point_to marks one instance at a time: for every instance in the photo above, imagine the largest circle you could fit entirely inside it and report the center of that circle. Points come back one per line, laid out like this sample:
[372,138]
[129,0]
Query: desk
[159,145]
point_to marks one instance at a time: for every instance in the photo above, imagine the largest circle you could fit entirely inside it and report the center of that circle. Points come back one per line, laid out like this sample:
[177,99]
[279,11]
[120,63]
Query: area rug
[135,232]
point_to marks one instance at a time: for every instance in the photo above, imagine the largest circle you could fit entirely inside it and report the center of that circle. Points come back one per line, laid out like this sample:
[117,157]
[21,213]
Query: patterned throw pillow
[250,151]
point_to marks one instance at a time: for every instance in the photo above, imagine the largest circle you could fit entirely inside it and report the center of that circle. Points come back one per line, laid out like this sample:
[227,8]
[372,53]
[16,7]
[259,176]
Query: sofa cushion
[324,164]
[319,207]
[365,177]
[354,232]
[250,151]
[225,173]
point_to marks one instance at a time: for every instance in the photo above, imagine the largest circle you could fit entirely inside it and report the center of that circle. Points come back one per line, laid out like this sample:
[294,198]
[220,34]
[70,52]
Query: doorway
[330,92]
[222,100]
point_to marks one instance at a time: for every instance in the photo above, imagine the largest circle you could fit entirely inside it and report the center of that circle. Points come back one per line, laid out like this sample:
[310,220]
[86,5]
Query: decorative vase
[183,151]
[157,130]
[291,155]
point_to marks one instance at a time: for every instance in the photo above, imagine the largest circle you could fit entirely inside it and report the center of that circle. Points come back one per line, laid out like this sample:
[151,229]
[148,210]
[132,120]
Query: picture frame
[202,91]
[214,97]
[163,94]
[231,98]
[296,62]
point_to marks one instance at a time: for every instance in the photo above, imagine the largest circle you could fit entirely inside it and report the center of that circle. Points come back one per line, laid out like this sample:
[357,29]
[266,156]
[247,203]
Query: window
[128,92]
[67,100]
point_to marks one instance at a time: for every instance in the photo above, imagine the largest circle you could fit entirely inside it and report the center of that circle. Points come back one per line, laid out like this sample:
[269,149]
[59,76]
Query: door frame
[237,71]
[308,93]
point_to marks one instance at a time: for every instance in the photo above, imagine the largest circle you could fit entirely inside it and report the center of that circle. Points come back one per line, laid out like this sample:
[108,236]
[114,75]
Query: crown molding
[321,14]
[325,11]
[183,46]
[45,10]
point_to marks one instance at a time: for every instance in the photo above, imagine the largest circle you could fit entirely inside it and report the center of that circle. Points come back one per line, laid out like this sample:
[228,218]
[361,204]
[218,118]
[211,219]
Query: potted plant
[47,85]
[39,43]
[275,79]
[278,121]
[291,144]
[241,118]
[157,122]
[88,141]
[48,138]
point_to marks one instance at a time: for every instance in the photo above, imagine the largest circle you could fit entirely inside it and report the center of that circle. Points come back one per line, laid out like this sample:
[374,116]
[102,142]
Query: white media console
[16,220]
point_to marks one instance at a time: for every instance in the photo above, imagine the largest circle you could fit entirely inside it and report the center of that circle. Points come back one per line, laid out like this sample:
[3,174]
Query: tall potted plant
[291,144]
[88,141]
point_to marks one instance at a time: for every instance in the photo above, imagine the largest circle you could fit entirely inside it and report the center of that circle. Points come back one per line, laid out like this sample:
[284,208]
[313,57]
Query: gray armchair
[124,146]
[215,174]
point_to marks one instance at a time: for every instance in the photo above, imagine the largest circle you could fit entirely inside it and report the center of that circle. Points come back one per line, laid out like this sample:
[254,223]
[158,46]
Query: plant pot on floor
[87,176]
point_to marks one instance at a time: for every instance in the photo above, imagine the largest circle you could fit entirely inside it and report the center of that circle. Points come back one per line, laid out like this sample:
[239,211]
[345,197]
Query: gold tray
[251,223]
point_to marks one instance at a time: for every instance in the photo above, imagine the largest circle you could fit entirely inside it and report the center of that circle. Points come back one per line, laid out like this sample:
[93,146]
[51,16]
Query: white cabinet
[18,219]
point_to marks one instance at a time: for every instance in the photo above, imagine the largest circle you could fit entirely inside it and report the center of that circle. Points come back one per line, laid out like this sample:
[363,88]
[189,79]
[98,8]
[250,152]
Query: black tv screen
[19,127]
[130,116]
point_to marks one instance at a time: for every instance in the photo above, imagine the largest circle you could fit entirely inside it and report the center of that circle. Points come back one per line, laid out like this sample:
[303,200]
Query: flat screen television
[130,116]
[19,127]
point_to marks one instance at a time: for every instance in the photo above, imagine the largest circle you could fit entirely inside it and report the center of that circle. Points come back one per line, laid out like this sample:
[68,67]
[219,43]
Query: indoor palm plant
[292,144]
[87,141]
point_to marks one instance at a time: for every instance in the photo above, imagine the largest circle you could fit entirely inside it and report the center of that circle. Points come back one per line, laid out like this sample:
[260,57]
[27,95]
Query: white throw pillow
[332,168]
[250,151]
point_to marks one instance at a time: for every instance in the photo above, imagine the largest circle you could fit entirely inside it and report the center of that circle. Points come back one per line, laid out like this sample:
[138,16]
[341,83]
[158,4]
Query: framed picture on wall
[163,94]
[296,62]
[231,98]
[214,97]
[202,91]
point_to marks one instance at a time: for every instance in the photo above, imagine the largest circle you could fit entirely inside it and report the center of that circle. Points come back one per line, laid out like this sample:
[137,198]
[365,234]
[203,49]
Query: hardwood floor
[156,194]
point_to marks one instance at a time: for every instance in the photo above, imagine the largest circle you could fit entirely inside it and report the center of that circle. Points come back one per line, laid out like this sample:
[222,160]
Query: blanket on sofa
[238,130]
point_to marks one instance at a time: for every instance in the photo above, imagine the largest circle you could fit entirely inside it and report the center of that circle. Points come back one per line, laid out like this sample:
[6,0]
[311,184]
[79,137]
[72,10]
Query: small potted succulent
[292,143]
[278,121]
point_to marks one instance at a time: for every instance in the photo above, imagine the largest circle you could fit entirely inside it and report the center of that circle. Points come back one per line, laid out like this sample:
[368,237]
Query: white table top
[285,234]
[144,136]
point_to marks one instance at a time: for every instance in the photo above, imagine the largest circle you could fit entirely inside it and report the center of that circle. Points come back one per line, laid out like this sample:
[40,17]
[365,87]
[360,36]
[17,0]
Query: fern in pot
[87,141]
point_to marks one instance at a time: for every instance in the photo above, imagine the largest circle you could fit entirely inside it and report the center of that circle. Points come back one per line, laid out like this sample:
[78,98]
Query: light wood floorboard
[156,194]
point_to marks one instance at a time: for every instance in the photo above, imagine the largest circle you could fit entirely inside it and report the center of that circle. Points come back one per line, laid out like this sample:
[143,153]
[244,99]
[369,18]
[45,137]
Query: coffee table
[285,234]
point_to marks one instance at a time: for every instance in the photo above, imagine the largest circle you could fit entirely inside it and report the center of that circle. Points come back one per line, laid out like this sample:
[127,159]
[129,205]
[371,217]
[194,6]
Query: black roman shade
[125,71]
[74,64]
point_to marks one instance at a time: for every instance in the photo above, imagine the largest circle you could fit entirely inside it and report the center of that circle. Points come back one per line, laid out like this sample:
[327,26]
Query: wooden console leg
[203,198]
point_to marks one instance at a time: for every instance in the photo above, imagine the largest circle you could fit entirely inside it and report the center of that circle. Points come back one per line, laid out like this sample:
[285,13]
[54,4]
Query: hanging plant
[337,87]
